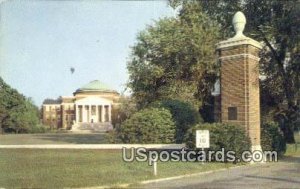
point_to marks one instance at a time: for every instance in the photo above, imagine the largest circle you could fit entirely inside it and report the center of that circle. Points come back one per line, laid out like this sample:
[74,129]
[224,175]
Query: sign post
[155,168]
[202,139]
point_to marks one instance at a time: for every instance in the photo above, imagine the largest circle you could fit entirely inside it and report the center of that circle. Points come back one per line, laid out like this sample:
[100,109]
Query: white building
[90,107]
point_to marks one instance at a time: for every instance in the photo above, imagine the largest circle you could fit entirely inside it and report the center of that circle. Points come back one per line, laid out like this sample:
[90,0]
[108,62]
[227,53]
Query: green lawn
[32,168]
[37,168]
[54,138]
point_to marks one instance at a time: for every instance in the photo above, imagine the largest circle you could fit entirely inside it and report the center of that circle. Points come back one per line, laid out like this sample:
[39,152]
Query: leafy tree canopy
[276,25]
[183,113]
[17,113]
[174,59]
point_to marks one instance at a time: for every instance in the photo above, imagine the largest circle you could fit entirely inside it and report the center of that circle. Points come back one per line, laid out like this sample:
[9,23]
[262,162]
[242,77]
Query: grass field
[37,168]
[32,168]
[53,138]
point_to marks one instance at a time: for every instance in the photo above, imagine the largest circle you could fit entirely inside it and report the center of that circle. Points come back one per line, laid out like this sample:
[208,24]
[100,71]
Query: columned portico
[90,108]
[96,110]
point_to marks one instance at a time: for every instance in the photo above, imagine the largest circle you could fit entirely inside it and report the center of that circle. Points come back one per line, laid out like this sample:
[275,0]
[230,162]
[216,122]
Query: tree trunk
[279,57]
[289,129]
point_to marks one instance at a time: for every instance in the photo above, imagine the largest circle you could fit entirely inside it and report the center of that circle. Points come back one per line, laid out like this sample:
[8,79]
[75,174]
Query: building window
[232,113]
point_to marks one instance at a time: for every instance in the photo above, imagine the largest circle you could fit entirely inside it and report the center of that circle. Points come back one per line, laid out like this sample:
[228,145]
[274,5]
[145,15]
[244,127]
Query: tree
[149,125]
[125,108]
[184,115]
[272,138]
[276,24]
[17,113]
[174,59]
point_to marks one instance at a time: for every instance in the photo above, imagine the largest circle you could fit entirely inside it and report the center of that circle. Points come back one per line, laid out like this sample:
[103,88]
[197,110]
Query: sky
[41,40]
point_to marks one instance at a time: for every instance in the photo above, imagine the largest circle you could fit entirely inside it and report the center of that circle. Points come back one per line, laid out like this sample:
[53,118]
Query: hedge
[184,115]
[272,138]
[229,137]
[150,125]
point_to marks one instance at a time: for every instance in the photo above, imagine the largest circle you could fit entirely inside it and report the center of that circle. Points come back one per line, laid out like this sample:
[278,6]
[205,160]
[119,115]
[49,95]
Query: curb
[189,175]
[125,185]
[197,174]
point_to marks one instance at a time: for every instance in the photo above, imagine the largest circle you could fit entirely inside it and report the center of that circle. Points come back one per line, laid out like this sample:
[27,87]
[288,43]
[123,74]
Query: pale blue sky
[41,40]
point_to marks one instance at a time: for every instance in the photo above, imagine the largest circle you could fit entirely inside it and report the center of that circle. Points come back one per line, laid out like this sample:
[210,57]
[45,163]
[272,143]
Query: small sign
[202,138]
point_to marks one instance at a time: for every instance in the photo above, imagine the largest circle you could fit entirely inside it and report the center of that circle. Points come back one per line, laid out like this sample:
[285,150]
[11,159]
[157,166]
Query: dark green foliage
[39,128]
[272,138]
[149,125]
[276,24]
[184,115]
[229,137]
[124,110]
[174,59]
[17,113]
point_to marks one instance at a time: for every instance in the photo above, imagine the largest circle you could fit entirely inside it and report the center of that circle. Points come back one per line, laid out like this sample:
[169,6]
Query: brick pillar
[239,58]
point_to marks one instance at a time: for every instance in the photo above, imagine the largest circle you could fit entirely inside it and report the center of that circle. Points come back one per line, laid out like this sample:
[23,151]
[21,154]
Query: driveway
[284,174]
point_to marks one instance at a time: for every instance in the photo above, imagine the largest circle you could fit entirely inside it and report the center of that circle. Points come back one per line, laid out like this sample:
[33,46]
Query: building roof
[52,101]
[67,99]
[95,86]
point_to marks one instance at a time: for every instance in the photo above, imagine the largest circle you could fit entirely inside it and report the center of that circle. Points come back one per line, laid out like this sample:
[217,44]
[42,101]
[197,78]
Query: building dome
[95,86]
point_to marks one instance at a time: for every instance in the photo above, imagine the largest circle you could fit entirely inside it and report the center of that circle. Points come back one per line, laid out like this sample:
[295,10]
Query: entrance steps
[91,127]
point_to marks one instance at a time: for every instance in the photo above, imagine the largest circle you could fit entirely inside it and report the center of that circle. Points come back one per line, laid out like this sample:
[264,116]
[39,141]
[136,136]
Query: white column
[109,113]
[77,113]
[96,116]
[82,113]
[102,113]
[90,115]
[84,117]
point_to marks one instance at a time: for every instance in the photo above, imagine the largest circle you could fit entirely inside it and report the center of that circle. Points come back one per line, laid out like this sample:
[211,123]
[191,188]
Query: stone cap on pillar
[239,22]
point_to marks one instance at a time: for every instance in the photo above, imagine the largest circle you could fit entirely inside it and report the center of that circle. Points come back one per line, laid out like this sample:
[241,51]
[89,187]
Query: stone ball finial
[239,22]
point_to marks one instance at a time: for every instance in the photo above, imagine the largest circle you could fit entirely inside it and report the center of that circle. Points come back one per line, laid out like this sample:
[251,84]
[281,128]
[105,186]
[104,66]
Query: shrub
[39,128]
[272,138]
[150,125]
[229,137]
[184,115]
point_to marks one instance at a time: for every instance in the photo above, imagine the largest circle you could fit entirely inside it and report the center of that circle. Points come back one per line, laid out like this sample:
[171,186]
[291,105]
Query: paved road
[284,174]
